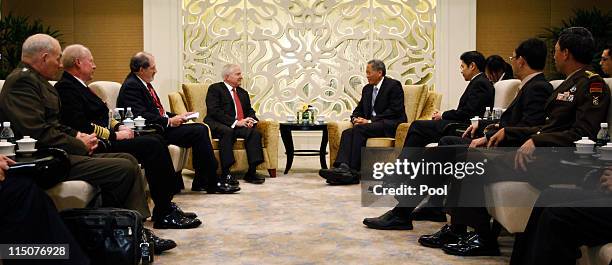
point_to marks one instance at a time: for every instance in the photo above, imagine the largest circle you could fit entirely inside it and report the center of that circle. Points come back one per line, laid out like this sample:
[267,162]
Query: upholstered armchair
[109,91]
[193,98]
[419,103]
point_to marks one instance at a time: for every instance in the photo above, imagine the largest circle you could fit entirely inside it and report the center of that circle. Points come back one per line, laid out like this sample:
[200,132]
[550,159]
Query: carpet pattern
[298,219]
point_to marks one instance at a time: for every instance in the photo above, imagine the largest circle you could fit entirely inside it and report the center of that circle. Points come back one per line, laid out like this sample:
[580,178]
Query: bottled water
[487,114]
[603,137]
[129,114]
[7,133]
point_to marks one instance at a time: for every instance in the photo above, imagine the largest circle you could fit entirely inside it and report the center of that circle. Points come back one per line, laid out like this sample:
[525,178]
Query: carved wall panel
[313,52]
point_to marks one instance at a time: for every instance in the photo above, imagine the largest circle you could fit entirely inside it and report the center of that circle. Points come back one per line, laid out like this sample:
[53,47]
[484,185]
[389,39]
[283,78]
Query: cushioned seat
[71,194]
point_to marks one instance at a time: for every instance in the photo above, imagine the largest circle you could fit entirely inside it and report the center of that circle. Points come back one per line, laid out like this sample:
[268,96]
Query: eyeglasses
[604,59]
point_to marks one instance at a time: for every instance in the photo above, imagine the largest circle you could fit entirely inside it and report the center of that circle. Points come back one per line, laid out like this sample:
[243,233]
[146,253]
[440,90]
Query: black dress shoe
[186,214]
[330,172]
[159,244]
[434,214]
[472,245]
[175,220]
[343,178]
[232,180]
[388,221]
[440,238]
[255,178]
[223,186]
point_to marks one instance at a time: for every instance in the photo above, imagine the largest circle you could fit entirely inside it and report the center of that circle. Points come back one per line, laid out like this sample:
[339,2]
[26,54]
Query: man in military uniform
[32,106]
[574,110]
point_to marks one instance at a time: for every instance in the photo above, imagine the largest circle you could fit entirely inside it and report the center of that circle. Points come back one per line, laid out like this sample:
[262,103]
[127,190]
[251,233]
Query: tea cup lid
[607,146]
[139,118]
[584,140]
[128,120]
[4,142]
[27,139]
[475,118]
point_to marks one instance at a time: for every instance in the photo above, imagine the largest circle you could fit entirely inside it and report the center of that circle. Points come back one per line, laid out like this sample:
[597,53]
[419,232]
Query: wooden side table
[287,127]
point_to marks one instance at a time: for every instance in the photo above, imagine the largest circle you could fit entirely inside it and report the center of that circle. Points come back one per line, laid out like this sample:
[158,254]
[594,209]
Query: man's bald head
[78,61]
[42,52]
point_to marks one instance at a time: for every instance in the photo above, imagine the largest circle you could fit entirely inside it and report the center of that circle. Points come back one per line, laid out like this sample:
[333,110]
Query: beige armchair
[193,98]
[419,103]
[109,91]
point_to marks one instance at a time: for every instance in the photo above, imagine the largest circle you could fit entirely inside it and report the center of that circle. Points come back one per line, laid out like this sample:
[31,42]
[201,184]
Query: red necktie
[239,113]
[156,100]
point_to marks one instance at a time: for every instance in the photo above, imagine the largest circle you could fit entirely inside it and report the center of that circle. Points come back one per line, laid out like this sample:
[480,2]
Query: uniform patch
[596,87]
[573,89]
[565,96]
[595,100]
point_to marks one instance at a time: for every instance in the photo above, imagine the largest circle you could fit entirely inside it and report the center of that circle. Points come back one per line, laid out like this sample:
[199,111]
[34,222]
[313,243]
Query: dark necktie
[158,104]
[239,113]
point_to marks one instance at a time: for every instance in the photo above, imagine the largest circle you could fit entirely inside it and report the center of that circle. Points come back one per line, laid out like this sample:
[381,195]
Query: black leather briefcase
[110,236]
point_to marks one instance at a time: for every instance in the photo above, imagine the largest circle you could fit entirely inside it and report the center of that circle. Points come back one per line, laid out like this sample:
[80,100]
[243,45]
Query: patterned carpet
[298,219]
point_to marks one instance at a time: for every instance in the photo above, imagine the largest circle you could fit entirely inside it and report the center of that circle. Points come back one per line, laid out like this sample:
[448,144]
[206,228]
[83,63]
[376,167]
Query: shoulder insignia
[573,89]
[590,74]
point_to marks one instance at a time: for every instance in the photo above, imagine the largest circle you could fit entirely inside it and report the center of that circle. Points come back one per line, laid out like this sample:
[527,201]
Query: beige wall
[501,25]
[112,29]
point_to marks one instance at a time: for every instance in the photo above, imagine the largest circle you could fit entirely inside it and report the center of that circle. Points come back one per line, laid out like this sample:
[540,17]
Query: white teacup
[320,118]
[129,123]
[606,152]
[291,118]
[475,121]
[26,144]
[139,122]
[7,148]
[584,145]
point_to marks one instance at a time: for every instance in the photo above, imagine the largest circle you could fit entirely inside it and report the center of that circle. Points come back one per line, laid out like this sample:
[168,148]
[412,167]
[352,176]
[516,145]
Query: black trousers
[353,139]
[117,175]
[554,234]
[152,151]
[28,216]
[196,136]
[423,132]
[228,135]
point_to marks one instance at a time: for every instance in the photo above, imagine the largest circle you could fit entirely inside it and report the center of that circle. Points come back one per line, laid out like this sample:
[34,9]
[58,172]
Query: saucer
[13,154]
[605,159]
[26,151]
[584,153]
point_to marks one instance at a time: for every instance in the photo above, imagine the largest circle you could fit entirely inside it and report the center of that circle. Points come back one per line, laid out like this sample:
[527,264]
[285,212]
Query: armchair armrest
[334,132]
[269,130]
[400,134]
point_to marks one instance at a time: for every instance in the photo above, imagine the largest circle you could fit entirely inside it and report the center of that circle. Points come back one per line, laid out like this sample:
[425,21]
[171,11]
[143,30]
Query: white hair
[73,52]
[37,44]
[228,69]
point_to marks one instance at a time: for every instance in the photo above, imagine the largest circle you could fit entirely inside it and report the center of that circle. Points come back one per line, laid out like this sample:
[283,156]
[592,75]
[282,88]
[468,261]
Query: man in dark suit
[478,95]
[86,112]
[527,108]
[378,113]
[138,93]
[32,106]
[231,116]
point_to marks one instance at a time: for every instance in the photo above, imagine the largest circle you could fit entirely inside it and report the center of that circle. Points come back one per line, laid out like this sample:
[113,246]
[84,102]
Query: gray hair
[73,52]
[227,69]
[140,60]
[378,65]
[36,44]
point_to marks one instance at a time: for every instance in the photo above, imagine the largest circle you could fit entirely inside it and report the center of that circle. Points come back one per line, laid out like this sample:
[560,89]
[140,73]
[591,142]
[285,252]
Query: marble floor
[298,219]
